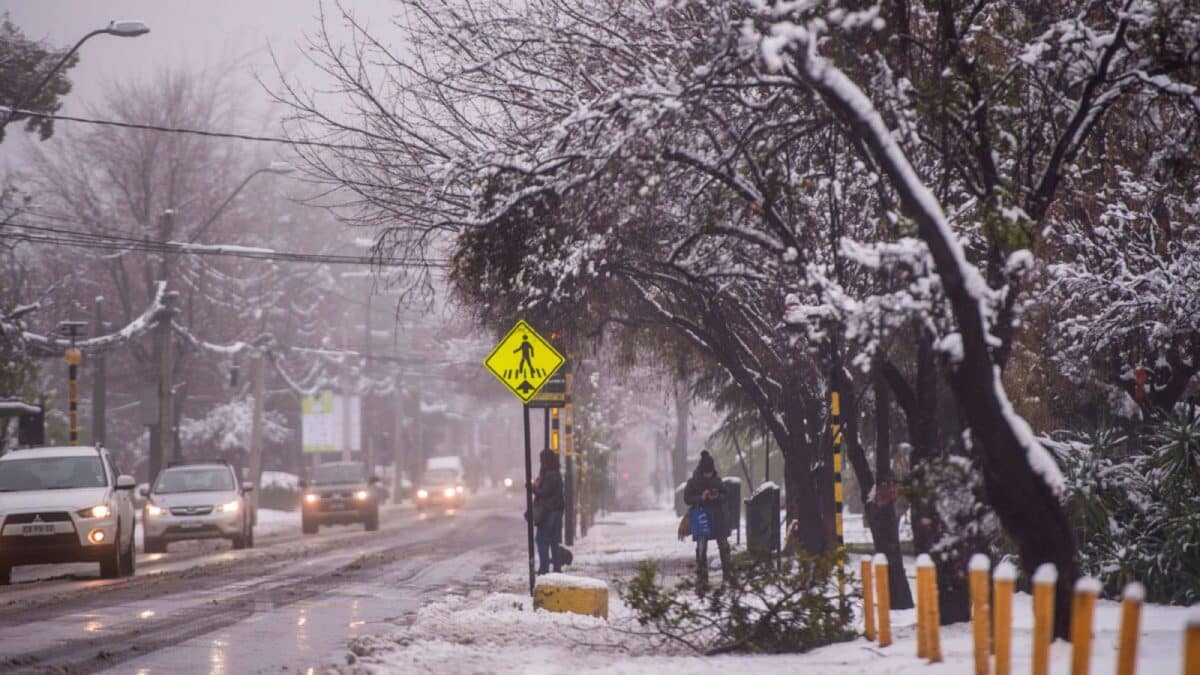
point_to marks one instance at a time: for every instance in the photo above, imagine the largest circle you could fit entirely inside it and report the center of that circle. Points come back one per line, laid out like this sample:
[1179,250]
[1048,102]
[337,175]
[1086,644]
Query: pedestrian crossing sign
[524,361]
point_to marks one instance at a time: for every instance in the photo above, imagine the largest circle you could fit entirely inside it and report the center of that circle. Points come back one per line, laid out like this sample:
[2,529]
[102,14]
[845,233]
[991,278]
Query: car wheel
[239,541]
[250,537]
[110,566]
[152,545]
[371,524]
[129,566]
[308,526]
[5,574]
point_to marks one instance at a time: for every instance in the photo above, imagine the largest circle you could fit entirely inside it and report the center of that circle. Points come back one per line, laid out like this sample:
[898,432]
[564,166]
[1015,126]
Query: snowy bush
[1136,506]
[759,608]
[226,428]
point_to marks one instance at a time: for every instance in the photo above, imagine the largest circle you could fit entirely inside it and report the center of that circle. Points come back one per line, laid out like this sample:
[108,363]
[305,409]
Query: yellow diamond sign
[524,361]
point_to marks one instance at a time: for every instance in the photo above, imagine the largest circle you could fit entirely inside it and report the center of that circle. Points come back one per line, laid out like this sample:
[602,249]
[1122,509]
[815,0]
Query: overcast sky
[192,34]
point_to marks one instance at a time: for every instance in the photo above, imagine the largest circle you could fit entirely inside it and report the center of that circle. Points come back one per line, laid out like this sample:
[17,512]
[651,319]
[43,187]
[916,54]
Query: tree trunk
[880,512]
[809,529]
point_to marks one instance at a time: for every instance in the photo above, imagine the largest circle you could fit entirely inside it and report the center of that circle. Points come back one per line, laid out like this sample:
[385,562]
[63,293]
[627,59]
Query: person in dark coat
[705,490]
[548,505]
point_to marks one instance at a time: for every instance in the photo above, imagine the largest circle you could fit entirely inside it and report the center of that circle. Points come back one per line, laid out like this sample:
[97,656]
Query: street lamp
[117,28]
[277,167]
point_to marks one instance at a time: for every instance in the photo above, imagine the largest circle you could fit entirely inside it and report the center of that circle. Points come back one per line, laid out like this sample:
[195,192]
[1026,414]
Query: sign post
[523,361]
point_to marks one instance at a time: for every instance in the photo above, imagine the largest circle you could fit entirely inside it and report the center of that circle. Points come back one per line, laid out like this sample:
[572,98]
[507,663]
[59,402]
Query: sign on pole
[331,423]
[524,361]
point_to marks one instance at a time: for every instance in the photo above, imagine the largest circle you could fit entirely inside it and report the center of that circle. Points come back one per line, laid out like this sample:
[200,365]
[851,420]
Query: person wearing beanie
[548,505]
[705,490]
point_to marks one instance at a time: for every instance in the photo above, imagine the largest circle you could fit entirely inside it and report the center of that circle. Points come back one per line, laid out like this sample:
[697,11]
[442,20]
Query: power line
[194,132]
[63,237]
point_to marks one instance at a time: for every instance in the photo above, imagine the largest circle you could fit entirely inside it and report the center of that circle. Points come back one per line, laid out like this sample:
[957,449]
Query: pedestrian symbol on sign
[524,361]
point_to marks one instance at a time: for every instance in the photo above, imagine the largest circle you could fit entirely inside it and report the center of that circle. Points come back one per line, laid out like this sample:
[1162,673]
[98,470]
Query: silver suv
[197,501]
[61,505]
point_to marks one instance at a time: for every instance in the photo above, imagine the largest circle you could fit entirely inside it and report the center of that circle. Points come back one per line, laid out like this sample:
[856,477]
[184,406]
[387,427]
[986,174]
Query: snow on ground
[499,632]
[280,479]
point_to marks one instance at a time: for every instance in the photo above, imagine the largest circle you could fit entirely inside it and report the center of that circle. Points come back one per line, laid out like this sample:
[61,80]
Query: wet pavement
[289,605]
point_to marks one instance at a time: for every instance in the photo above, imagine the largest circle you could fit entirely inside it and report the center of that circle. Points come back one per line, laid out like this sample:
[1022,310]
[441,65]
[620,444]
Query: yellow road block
[567,593]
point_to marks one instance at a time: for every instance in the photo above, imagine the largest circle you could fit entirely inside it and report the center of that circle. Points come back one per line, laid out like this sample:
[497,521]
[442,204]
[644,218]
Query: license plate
[191,525]
[37,530]
[337,506]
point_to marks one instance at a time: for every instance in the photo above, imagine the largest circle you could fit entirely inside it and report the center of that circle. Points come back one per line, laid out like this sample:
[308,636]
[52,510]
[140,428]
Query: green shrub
[758,609]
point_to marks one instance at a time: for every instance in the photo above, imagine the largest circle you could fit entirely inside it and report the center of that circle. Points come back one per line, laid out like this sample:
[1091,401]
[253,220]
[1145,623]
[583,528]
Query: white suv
[197,501]
[60,505]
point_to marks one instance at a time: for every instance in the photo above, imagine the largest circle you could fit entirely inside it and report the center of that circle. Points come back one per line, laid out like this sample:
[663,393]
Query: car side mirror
[374,480]
[247,486]
[302,483]
[126,482]
[144,491]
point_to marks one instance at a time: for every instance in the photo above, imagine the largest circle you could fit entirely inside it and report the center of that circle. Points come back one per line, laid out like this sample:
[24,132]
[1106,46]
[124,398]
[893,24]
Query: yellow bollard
[924,578]
[981,612]
[868,599]
[883,600]
[1083,605]
[1005,576]
[1131,618]
[1191,646]
[933,629]
[1043,616]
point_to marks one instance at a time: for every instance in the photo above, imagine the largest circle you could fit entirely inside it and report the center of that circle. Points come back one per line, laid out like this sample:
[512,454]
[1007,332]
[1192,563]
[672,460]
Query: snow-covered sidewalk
[498,631]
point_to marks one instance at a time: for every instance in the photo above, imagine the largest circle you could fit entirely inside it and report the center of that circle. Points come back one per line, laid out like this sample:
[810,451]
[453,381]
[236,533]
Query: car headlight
[458,489]
[152,510]
[312,498]
[449,492]
[422,494]
[507,482]
[97,511]
[361,495]
[229,507]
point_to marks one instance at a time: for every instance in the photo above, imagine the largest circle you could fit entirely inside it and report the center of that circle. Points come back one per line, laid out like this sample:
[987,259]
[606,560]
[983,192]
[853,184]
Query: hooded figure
[548,505]
[705,490]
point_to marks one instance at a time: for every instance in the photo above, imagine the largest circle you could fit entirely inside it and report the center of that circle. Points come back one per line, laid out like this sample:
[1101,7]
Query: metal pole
[99,386]
[73,358]
[569,466]
[529,498]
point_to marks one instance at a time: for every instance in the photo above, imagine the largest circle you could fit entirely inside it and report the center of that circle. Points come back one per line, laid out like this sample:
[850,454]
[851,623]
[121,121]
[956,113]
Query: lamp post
[118,28]
[161,443]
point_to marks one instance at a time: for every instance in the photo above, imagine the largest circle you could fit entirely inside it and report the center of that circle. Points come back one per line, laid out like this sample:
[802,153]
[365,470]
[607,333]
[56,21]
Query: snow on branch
[49,346]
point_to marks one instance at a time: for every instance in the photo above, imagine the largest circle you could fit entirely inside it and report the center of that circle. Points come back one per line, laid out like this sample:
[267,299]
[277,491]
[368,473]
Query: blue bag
[700,519]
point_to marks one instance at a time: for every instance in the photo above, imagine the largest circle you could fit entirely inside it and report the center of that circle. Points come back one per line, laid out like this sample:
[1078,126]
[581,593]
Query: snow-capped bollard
[1043,616]
[1131,618]
[568,593]
[1083,605]
[883,600]
[924,579]
[980,612]
[1005,577]
[1191,645]
[868,599]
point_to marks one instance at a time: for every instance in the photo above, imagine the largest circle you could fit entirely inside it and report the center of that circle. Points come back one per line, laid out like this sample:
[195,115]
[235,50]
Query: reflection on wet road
[290,605]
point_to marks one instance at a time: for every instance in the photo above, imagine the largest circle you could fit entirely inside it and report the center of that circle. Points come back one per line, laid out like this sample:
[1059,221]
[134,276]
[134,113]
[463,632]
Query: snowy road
[290,604]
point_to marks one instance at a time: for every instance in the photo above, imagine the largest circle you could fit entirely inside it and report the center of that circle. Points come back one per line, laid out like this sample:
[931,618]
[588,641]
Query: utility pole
[256,431]
[99,384]
[162,436]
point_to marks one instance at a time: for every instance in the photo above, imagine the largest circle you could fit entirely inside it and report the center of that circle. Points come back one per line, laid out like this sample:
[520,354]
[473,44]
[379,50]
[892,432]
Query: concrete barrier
[567,593]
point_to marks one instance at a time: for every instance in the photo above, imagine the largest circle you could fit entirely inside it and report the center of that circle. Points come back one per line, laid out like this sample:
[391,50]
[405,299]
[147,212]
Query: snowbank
[571,581]
[281,480]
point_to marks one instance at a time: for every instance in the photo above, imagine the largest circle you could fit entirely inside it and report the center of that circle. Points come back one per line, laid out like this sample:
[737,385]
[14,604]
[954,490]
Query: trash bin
[733,505]
[762,520]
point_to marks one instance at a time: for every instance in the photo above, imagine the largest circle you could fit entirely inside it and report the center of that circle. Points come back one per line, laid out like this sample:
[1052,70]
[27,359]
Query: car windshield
[51,473]
[215,479]
[439,477]
[337,473]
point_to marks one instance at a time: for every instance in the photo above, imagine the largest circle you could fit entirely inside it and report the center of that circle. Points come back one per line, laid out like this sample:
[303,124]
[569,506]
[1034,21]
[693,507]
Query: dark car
[339,493]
